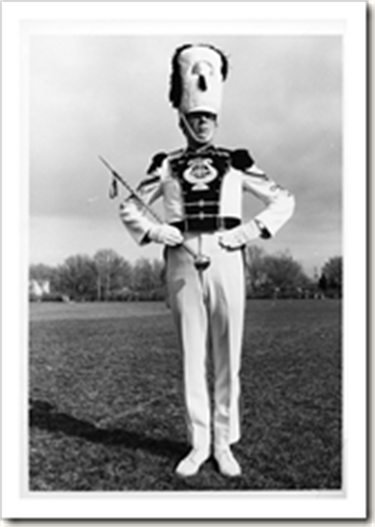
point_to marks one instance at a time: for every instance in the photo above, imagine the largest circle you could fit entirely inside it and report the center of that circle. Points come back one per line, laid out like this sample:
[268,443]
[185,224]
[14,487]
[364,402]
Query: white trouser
[208,309]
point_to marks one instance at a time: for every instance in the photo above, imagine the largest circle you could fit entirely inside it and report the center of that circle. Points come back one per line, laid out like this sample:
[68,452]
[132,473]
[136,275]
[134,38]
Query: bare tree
[274,275]
[256,275]
[332,275]
[77,277]
[112,273]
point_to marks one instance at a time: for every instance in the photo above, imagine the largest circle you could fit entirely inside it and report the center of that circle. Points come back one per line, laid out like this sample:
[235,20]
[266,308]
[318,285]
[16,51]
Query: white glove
[239,236]
[165,234]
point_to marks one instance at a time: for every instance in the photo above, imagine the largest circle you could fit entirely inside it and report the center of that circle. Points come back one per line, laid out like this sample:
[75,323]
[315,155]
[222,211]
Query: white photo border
[346,18]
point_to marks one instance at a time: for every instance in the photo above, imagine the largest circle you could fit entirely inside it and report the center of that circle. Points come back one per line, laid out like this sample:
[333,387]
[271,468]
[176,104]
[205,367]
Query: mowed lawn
[106,404]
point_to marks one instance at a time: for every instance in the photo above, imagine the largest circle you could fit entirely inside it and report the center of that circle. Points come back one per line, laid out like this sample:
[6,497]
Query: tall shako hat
[198,73]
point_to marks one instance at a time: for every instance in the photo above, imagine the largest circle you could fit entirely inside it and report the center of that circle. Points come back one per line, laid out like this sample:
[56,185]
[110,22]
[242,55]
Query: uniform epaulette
[241,159]
[156,162]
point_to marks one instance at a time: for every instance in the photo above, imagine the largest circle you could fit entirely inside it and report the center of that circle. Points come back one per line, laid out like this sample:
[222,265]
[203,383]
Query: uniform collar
[206,149]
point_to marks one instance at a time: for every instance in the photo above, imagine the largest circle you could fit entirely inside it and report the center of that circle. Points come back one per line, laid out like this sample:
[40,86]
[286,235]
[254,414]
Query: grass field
[106,406]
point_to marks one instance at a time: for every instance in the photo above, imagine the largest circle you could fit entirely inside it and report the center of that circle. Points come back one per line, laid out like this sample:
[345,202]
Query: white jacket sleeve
[280,203]
[133,214]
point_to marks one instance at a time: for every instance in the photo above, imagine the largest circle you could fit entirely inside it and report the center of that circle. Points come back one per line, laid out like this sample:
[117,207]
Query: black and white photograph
[185,266]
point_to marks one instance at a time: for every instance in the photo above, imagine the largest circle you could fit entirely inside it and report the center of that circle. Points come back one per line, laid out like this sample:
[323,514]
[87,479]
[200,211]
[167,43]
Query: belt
[207,224]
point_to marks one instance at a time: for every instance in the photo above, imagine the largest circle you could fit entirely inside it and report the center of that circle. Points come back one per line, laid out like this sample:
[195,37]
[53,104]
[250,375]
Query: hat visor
[201,108]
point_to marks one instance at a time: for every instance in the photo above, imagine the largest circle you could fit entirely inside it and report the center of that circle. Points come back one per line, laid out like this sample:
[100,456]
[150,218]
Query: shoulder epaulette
[156,162]
[241,159]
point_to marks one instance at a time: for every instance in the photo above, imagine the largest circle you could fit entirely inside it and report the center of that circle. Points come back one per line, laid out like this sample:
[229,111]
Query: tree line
[107,276]
[279,275]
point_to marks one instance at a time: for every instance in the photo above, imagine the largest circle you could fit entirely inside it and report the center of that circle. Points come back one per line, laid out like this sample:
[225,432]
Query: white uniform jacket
[200,189]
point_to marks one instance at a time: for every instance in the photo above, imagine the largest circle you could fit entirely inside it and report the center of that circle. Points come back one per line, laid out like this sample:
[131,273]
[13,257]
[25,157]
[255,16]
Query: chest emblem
[199,173]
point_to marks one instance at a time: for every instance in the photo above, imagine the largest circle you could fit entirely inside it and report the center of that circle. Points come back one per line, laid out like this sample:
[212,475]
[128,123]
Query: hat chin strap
[192,132]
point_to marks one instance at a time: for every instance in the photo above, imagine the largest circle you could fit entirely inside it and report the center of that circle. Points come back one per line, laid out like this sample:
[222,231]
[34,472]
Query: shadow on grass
[44,416]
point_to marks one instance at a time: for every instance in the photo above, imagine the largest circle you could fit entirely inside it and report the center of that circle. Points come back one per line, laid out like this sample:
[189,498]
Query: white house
[39,288]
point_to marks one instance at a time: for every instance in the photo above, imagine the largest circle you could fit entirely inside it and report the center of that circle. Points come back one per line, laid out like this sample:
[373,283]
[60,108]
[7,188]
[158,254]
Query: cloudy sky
[91,95]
